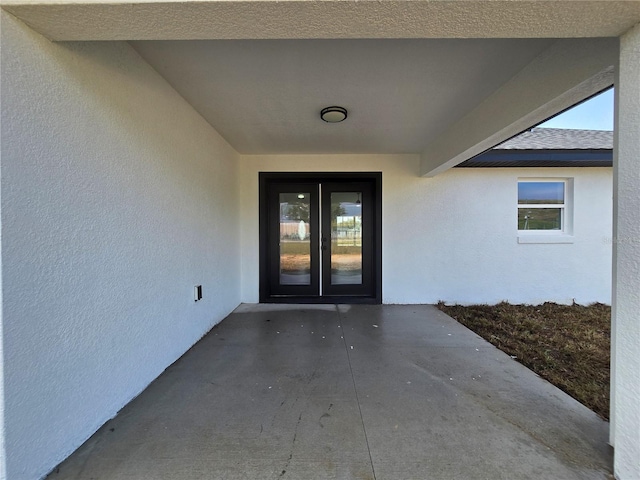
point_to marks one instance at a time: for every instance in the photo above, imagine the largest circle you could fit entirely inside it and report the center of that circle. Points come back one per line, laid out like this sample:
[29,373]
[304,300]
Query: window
[544,208]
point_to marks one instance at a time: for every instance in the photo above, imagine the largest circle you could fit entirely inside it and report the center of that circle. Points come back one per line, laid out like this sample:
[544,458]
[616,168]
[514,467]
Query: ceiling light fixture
[333,114]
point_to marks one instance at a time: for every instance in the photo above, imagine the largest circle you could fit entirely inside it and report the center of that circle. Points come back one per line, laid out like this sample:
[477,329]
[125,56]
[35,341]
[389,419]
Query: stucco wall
[625,360]
[454,237]
[117,198]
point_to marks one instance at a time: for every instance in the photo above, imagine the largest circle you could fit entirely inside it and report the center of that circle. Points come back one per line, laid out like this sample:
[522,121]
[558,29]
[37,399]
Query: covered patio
[134,134]
[346,392]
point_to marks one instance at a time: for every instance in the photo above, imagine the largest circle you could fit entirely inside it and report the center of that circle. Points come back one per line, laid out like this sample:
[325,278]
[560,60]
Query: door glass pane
[346,238]
[295,239]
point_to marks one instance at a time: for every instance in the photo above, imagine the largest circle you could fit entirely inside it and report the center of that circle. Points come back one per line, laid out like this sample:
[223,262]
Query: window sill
[560,238]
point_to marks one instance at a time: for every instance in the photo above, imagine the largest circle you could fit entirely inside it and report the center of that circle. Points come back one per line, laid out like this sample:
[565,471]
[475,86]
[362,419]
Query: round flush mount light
[333,114]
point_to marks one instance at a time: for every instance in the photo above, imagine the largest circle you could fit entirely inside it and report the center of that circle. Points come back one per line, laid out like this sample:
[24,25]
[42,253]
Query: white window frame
[565,233]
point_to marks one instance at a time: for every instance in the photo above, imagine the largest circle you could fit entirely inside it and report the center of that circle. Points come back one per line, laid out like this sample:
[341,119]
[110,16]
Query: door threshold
[336,300]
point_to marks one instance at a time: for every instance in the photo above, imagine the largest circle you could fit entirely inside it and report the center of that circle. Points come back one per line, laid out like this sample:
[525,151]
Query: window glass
[539,219]
[532,193]
[541,206]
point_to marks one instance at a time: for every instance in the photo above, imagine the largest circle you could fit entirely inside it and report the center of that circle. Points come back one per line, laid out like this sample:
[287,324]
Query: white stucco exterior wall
[625,361]
[117,198]
[454,237]
[3,472]
[3,455]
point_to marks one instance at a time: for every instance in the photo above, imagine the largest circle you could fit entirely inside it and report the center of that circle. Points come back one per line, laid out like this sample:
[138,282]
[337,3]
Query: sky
[551,192]
[594,114]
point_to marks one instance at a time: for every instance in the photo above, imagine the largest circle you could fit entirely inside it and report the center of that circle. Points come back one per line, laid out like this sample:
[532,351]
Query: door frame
[268,178]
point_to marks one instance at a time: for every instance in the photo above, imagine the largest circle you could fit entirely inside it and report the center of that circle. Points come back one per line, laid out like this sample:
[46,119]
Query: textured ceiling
[260,70]
[296,19]
[265,96]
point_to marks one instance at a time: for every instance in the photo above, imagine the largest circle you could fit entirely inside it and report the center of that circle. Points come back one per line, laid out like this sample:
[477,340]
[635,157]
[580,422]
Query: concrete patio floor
[383,392]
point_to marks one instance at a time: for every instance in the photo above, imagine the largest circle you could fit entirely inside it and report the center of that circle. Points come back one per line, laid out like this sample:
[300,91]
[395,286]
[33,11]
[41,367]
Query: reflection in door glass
[346,238]
[295,239]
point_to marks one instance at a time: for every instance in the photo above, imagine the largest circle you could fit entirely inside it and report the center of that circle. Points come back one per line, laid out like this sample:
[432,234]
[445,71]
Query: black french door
[320,238]
[293,259]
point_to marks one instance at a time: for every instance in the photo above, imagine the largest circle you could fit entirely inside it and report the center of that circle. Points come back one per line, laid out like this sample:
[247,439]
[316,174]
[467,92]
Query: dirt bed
[568,345]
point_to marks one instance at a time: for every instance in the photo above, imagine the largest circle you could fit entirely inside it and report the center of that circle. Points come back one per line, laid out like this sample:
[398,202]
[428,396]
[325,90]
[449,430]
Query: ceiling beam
[565,74]
[300,19]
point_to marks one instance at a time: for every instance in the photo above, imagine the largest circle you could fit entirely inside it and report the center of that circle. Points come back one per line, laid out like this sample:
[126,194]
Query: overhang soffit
[566,73]
[295,19]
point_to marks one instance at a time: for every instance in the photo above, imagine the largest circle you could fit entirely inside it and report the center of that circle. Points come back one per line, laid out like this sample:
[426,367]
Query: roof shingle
[559,139]
[549,147]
